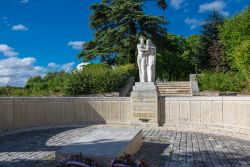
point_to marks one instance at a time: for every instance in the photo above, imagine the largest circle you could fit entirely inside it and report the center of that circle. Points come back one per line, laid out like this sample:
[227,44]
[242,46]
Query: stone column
[144,104]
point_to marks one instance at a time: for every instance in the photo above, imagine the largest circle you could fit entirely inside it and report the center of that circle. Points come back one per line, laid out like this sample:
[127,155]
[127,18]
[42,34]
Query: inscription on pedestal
[144,105]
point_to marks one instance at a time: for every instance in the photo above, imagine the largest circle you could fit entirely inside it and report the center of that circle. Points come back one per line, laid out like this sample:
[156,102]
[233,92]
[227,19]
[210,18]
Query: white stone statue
[141,59]
[146,60]
[151,61]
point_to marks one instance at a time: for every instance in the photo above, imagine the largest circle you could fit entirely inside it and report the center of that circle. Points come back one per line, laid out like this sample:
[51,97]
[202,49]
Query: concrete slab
[103,145]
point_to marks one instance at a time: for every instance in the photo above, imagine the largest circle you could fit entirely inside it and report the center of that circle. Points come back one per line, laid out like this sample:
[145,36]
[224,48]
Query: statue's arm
[141,49]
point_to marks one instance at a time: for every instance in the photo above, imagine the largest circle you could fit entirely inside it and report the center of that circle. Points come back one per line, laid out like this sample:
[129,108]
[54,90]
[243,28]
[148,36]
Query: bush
[53,83]
[233,82]
[93,79]
[233,32]
[242,57]
[97,79]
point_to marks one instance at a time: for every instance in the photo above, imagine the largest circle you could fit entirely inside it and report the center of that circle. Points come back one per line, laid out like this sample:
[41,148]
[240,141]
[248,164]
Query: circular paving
[161,148]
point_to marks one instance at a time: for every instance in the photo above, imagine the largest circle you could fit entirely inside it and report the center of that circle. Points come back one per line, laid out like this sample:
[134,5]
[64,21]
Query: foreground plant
[127,161]
[78,161]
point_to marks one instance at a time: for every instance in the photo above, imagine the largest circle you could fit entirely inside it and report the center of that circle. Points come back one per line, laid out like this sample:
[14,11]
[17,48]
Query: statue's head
[149,42]
[142,39]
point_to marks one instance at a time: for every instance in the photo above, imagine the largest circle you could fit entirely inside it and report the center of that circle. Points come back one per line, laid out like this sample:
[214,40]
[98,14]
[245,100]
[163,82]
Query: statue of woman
[151,61]
[141,59]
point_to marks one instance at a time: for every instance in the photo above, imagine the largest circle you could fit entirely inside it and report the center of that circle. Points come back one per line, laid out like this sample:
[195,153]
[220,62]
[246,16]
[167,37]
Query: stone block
[28,112]
[82,110]
[115,111]
[6,114]
[144,104]
[68,111]
[175,111]
[206,112]
[167,111]
[240,113]
[185,111]
[125,109]
[106,107]
[104,145]
[217,112]
[96,112]
[58,110]
[195,111]
[228,113]
[248,115]
[162,117]
[144,86]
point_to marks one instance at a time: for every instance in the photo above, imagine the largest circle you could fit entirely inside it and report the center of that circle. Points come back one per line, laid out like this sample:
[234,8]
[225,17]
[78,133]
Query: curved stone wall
[221,112]
[225,113]
[30,112]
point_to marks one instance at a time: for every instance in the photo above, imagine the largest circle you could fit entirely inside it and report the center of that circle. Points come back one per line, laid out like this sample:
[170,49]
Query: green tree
[242,59]
[192,51]
[210,39]
[118,25]
[172,65]
[233,32]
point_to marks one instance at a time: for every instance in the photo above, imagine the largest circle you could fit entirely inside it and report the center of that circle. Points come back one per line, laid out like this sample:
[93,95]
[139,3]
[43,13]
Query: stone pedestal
[144,104]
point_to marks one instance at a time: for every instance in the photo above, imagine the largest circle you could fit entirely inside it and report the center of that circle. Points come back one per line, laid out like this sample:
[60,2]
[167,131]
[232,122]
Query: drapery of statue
[146,60]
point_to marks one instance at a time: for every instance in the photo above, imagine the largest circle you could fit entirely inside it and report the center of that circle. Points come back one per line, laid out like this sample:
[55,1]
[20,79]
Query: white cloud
[7,51]
[77,45]
[193,23]
[5,21]
[67,67]
[53,65]
[217,5]
[177,4]
[81,65]
[24,1]
[19,27]
[16,71]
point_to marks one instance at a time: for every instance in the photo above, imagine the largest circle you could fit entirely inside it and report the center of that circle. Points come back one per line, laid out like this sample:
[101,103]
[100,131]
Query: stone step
[181,88]
[173,92]
[174,83]
[163,86]
[174,95]
[188,91]
[174,87]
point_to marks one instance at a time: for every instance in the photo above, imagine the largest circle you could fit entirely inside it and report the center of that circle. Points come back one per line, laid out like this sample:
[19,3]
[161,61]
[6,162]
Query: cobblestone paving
[161,148]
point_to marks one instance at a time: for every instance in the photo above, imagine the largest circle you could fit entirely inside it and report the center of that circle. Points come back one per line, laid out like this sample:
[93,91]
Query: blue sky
[38,36]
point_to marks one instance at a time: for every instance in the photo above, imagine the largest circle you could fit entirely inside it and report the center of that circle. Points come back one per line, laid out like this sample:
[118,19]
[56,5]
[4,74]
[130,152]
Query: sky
[40,36]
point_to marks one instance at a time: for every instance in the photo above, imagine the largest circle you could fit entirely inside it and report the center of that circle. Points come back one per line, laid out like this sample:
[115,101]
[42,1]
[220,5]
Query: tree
[210,39]
[242,58]
[118,25]
[233,32]
[217,60]
[172,65]
[192,51]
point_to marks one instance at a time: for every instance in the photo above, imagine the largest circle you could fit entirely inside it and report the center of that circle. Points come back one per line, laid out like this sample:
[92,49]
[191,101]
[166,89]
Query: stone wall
[229,113]
[30,112]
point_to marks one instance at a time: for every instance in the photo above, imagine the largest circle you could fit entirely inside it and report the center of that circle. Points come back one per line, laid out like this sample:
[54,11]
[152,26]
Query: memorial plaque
[104,144]
[144,104]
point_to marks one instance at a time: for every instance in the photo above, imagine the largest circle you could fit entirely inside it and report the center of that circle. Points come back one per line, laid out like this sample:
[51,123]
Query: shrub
[52,83]
[242,57]
[219,81]
[97,79]
[233,32]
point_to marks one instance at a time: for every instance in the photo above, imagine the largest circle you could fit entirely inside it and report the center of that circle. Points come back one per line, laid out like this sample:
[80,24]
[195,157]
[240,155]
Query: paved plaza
[161,148]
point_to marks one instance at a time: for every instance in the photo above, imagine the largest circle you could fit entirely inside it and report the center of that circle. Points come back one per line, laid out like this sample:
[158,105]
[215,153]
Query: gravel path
[161,148]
